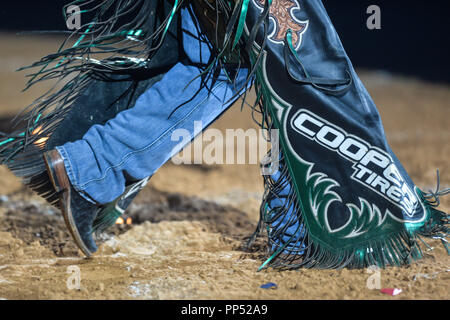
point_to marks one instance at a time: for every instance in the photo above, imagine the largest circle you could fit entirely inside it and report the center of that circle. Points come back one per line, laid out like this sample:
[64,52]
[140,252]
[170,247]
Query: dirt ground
[190,223]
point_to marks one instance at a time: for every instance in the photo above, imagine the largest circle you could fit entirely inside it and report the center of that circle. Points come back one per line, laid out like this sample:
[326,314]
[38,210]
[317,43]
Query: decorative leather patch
[282,15]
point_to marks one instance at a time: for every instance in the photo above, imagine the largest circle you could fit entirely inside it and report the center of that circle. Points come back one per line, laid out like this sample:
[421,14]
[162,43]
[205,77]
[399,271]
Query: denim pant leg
[138,141]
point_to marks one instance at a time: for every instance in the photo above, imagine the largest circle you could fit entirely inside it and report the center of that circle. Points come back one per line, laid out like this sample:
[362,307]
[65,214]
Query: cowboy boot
[79,214]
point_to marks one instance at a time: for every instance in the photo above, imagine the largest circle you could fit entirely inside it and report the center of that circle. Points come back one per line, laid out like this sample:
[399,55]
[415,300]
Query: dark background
[413,39]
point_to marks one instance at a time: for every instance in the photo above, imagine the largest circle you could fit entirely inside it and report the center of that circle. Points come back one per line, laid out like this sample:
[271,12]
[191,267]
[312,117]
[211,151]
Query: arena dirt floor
[190,223]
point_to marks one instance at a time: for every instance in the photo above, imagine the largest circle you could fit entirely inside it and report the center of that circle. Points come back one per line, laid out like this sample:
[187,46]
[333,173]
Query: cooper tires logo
[373,167]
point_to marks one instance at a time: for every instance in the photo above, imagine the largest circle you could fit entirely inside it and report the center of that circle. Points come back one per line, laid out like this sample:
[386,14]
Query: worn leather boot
[79,214]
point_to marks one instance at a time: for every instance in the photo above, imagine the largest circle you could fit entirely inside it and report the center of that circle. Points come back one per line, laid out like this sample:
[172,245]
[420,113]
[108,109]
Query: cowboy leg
[343,198]
[135,143]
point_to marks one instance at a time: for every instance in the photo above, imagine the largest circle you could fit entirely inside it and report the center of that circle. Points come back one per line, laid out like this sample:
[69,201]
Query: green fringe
[106,218]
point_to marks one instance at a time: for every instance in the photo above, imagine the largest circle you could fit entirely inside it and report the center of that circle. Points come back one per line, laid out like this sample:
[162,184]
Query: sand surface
[198,217]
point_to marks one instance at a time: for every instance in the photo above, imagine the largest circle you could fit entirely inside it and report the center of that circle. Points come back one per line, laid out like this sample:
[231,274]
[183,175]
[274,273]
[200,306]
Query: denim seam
[127,156]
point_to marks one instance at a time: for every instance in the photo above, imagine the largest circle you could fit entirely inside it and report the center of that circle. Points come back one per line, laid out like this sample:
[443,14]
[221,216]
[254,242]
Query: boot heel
[49,160]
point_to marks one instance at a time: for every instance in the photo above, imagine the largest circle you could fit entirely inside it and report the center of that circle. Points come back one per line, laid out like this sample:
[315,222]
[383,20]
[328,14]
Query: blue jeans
[134,144]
